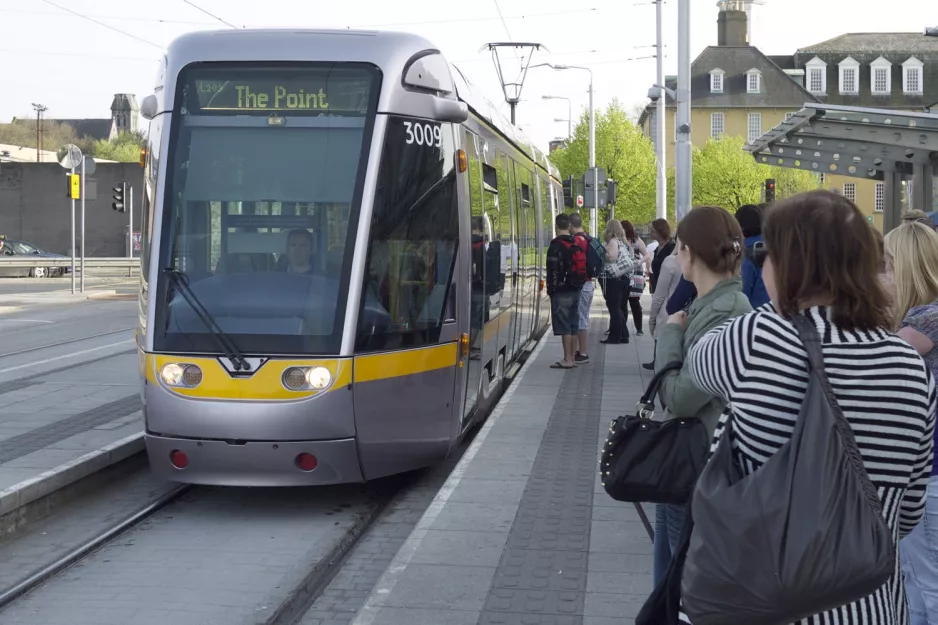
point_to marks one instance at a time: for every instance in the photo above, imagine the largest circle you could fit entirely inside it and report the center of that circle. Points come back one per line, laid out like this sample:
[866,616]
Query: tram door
[527,250]
[508,258]
[476,272]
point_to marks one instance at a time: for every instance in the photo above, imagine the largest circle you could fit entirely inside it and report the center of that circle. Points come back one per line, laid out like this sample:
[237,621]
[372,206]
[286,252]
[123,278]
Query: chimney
[732,24]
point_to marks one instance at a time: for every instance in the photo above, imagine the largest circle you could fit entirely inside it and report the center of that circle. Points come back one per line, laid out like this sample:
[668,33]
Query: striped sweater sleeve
[913,501]
[720,359]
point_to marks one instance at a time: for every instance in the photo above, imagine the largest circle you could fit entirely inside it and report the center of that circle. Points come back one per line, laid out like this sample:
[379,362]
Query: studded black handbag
[648,461]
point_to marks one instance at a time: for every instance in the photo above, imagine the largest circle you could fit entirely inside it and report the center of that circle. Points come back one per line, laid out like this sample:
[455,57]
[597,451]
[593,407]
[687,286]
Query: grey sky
[74,66]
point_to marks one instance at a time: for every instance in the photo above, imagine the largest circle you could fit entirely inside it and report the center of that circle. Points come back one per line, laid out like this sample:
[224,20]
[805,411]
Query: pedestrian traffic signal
[610,192]
[770,190]
[120,192]
[568,192]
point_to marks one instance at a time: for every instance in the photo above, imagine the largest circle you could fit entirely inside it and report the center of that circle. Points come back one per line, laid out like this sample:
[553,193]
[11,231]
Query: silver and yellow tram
[342,257]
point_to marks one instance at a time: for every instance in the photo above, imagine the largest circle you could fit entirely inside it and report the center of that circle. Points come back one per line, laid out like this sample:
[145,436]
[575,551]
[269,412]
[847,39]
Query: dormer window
[849,76]
[716,81]
[880,77]
[912,77]
[817,76]
[754,81]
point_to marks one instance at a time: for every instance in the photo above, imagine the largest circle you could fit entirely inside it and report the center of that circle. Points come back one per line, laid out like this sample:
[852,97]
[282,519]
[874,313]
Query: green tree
[124,149]
[22,132]
[726,175]
[624,153]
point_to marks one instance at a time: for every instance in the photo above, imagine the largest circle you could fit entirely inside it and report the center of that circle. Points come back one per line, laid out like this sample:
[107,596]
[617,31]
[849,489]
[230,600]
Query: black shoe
[649,365]
[624,341]
[578,357]
[639,333]
[611,342]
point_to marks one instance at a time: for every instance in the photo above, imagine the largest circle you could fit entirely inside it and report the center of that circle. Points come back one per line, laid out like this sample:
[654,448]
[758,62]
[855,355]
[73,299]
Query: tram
[342,257]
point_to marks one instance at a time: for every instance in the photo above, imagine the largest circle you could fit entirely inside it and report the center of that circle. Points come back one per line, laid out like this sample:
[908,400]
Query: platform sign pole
[82,251]
[73,238]
[130,226]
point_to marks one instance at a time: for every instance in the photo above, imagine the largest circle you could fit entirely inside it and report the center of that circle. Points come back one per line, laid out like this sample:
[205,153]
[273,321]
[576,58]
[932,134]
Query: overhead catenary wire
[108,26]
[212,15]
[117,18]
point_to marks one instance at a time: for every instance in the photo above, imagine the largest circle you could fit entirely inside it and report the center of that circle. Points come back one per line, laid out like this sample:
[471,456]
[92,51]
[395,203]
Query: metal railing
[15,262]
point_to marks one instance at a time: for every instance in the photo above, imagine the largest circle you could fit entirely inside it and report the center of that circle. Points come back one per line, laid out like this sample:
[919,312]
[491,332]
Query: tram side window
[413,238]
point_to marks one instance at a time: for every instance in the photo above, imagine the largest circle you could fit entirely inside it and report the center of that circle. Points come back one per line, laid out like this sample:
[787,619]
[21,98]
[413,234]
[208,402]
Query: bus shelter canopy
[851,141]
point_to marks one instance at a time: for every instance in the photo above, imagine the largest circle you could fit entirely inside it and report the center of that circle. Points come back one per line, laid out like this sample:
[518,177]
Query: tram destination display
[321,90]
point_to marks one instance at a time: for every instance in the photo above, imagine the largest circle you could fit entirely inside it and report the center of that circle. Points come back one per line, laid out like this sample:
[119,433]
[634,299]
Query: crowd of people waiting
[735,304]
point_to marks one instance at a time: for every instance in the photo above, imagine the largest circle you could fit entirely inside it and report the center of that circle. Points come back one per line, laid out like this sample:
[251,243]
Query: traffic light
[610,192]
[120,192]
[568,192]
[770,190]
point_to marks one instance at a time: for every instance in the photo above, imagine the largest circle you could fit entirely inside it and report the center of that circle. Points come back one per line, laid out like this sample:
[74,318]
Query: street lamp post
[662,207]
[682,152]
[594,212]
[569,113]
[561,119]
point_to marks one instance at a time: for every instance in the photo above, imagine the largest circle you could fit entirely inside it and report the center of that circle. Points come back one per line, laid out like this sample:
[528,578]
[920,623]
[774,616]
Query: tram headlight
[318,378]
[306,378]
[181,375]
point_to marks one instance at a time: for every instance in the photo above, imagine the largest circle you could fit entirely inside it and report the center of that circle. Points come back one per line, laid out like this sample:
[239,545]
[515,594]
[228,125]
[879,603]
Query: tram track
[345,516]
[77,553]
[66,342]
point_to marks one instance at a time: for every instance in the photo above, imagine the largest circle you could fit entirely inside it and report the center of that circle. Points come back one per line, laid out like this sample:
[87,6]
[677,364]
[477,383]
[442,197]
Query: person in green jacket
[710,251]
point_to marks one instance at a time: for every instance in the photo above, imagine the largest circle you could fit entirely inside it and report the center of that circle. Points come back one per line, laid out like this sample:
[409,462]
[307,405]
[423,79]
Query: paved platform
[69,398]
[522,531]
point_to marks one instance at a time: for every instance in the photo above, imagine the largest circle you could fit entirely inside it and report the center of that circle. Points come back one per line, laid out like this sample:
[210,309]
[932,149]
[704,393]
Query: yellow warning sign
[74,186]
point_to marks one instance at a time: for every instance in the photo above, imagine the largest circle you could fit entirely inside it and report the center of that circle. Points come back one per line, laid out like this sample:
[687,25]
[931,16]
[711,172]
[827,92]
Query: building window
[754,81]
[879,203]
[716,81]
[817,75]
[850,191]
[755,127]
[880,76]
[849,80]
[717,121]
[849,76]
[912,76]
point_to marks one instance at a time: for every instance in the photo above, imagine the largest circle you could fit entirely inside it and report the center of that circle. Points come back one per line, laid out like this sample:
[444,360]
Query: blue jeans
[669,521]
[918,556]
[662,556]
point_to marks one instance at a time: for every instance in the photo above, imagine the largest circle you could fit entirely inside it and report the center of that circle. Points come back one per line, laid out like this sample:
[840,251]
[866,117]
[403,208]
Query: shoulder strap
[809,336]
[646,405]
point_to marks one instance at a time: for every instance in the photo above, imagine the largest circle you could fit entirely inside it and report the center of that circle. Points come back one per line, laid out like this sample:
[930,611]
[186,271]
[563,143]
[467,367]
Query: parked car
[22,248]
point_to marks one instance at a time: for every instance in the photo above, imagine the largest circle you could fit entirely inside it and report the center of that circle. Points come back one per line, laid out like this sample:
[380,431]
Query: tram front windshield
[261,203]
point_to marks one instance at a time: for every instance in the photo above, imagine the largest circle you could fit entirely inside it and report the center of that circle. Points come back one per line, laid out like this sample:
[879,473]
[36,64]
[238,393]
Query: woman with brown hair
[709,252]
[636,283]
[820,261]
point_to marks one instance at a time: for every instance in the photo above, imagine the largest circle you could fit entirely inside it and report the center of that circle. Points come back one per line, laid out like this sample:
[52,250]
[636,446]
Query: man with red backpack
[566,275]
[595,258]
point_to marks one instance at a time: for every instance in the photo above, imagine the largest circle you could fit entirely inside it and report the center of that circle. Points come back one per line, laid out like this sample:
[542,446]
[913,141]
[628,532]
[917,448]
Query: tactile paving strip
[541,577]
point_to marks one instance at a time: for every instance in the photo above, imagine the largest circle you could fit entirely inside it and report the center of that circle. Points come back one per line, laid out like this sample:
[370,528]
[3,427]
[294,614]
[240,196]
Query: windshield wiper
[178,281]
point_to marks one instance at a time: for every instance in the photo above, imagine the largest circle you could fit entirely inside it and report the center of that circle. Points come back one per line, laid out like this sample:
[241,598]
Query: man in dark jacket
[563,288]
[749,217]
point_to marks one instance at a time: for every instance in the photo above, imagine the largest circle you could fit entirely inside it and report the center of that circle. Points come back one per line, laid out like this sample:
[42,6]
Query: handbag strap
[807,332]
[646,405]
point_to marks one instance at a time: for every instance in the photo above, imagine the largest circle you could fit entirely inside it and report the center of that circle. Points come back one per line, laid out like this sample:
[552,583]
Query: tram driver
[299,256]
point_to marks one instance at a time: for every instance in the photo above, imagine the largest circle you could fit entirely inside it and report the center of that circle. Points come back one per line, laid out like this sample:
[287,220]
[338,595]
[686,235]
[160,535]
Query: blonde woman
[911,255]
[614,239]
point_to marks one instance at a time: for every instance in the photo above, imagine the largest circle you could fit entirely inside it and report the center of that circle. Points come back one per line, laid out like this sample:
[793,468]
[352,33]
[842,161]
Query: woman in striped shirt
[821,260]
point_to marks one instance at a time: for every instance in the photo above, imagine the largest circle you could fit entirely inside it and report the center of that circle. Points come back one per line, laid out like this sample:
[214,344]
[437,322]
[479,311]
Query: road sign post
[73,158]
[82,251]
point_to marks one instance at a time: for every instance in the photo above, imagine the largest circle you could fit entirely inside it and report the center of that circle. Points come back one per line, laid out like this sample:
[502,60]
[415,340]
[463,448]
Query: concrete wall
[34,207]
